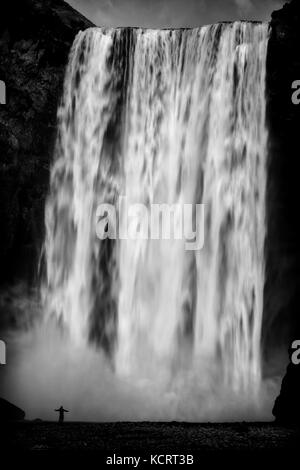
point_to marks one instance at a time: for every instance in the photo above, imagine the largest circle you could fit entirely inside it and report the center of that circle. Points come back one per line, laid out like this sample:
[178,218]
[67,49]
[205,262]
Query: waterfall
[163,117]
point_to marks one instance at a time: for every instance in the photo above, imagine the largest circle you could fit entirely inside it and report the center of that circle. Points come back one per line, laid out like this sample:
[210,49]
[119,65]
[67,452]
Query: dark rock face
[35,39]
[10,412]
[282,291]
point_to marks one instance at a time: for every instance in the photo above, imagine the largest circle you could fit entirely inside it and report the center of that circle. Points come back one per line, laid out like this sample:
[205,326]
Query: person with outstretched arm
[62,412]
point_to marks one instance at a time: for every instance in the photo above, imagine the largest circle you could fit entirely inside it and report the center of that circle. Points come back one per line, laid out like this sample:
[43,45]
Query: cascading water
[164,117]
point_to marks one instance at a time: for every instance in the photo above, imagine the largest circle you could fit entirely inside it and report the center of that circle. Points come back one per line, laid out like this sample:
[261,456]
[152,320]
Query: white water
[164,117]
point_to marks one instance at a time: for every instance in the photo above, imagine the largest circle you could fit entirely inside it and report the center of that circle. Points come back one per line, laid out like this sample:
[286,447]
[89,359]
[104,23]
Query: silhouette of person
[62,412]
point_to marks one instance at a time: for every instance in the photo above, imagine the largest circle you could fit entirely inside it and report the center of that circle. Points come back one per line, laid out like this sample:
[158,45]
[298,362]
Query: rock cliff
[35,39]
[282,290]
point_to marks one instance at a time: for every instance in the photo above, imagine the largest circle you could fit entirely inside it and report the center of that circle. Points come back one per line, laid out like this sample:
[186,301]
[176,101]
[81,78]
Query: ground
[144,439]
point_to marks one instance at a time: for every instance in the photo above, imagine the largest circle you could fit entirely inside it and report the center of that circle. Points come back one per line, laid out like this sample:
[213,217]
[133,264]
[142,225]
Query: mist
[47,371]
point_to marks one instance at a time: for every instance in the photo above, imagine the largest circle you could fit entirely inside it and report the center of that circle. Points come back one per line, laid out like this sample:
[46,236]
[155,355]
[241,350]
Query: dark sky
[173,13]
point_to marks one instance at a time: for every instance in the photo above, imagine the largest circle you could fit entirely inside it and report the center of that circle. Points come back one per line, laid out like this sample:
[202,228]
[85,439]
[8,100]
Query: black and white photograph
[150,231]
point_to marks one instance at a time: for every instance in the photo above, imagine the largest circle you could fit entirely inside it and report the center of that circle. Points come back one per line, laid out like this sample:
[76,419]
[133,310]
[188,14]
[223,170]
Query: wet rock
[10,412]
[287,406]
